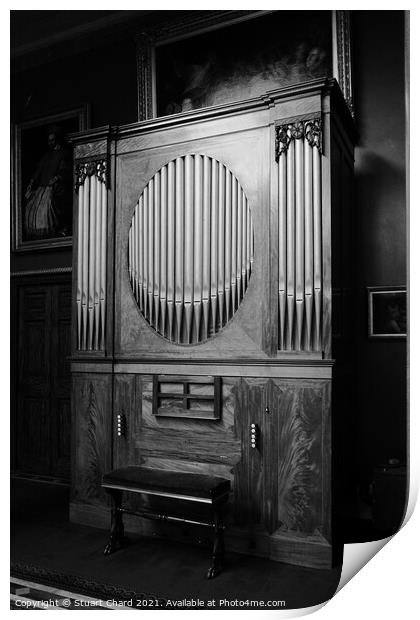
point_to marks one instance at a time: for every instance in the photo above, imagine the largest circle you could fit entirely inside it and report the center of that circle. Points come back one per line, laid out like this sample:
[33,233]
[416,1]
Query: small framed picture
[387,312]
[42,180]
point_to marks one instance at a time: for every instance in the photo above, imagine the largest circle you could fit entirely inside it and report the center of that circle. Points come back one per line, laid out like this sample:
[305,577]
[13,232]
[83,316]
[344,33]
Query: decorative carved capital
[296,130]
[98,168]
[313,133]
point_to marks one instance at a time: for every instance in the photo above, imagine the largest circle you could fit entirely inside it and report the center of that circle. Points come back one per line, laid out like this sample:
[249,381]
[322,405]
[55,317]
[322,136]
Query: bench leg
[116,537]
[218,547]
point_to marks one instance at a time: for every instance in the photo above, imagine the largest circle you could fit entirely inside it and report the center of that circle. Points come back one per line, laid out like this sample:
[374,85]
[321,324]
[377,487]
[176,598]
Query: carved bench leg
[116,537]
[218,547]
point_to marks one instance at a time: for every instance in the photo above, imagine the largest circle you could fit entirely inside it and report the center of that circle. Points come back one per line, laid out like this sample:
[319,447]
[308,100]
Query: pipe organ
[211,261]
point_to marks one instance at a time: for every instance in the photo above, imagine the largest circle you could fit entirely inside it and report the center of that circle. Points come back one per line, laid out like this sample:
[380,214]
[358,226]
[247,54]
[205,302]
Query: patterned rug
[32,587]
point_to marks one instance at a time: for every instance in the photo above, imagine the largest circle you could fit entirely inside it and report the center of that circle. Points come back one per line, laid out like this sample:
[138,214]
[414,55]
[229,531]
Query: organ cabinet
[210,289]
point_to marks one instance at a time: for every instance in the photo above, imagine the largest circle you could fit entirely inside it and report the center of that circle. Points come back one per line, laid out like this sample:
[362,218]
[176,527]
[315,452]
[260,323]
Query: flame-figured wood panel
[199,440]
[175,444]
[251,399]
[190,248]
[92,438]
[300,461]
[283,484]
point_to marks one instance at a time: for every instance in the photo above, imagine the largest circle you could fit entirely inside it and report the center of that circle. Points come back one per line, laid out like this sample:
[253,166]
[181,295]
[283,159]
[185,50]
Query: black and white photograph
[209,317]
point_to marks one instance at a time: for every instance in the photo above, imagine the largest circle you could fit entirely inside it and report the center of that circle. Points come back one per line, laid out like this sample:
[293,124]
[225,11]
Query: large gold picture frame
[150,43]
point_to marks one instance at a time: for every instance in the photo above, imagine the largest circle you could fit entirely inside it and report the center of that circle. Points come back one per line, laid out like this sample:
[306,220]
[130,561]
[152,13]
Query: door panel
[43,379]
[300,410]
[249,472]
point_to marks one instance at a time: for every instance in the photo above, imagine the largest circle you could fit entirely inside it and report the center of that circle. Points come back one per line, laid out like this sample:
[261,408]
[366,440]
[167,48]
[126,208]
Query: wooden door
[282,483]
[42,440]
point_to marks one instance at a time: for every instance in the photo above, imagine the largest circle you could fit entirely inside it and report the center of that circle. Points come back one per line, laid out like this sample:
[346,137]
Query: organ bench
[208,490]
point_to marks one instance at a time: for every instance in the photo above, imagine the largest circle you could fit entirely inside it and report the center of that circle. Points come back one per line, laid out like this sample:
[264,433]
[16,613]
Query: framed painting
[387,312]
[42,180]
[209,58]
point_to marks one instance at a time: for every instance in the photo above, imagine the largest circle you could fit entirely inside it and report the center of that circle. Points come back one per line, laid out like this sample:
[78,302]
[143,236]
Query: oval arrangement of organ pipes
[190,248]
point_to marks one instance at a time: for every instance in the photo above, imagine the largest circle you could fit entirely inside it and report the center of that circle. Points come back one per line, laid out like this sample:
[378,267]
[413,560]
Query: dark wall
[381,228]
[105,78]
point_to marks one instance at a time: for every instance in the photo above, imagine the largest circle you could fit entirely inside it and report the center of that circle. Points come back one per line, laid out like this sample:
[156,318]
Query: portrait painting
[43,180]
[242,60]
[215,59]
[387,308]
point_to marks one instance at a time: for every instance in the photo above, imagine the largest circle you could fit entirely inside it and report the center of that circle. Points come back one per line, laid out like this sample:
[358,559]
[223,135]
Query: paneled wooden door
[42,425]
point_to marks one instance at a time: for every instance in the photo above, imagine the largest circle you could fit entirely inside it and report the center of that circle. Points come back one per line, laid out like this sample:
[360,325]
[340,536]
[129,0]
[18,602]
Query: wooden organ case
[209,264]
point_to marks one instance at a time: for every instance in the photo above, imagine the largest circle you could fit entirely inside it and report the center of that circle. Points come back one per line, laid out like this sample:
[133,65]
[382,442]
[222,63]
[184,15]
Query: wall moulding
[155,44]
[40,272]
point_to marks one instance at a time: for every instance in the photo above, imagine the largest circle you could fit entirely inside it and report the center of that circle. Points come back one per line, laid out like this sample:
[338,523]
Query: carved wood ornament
[97,168]
[296,130]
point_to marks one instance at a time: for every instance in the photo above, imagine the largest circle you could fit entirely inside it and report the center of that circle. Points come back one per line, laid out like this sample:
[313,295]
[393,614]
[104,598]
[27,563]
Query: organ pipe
[91,259]
[196,233]
[299,235]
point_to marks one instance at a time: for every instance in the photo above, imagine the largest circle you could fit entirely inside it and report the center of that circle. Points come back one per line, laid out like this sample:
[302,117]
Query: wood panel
[286,547]
[43,379]
[245,162]
[200,440]
[127,402]
[92,436]
[60,381]
[302,452]
[176,444]
[33,436]
[251,401]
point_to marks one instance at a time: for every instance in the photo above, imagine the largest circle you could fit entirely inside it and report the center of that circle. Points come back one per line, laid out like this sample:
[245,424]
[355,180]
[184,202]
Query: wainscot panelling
[41,370]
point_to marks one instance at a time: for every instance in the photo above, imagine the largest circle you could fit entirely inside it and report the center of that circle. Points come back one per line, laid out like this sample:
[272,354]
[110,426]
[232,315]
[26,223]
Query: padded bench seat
[193,487]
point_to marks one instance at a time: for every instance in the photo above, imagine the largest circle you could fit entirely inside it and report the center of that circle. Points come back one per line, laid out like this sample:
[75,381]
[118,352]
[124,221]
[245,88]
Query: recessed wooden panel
[92,404]
[252,397]
[34,436]
[246,157]
[43,375]
[300,464]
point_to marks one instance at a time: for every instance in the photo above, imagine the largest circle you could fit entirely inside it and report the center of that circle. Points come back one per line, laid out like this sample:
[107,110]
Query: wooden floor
[43,539]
